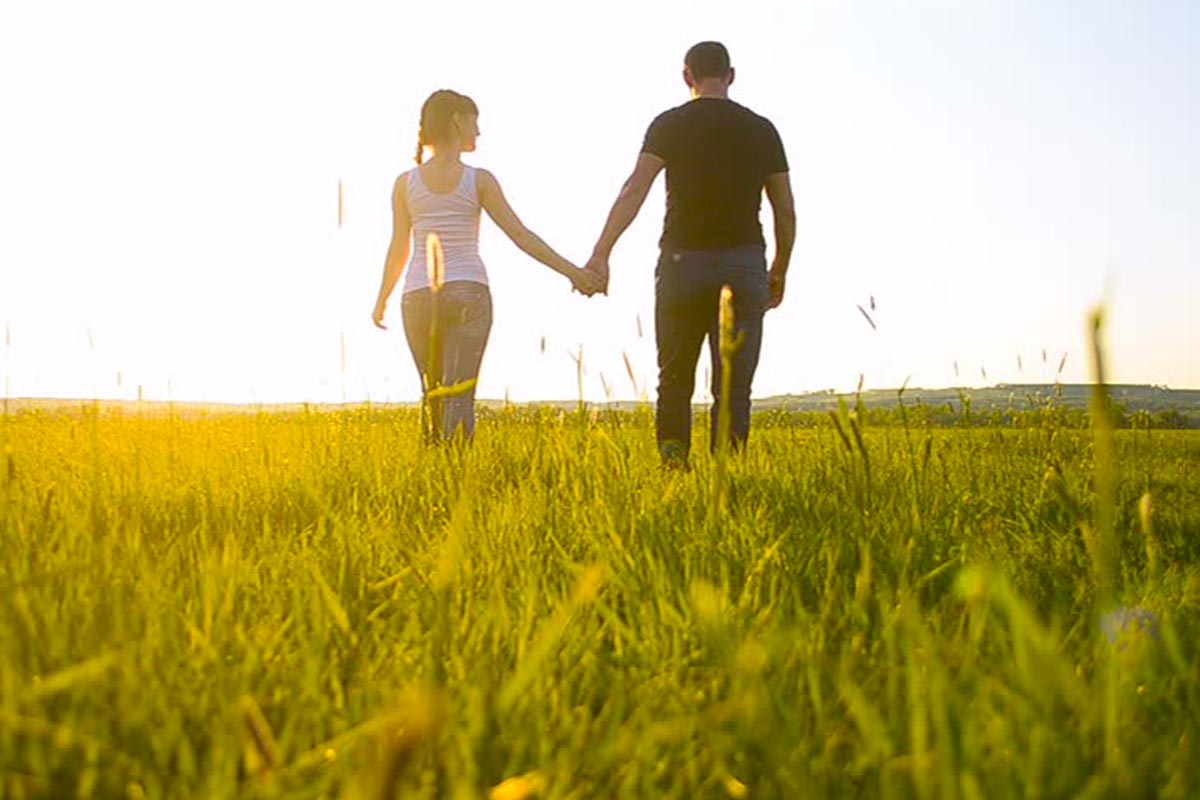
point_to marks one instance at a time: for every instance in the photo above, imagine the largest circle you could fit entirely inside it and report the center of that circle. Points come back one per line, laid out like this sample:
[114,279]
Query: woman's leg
[467,312]
[417,308]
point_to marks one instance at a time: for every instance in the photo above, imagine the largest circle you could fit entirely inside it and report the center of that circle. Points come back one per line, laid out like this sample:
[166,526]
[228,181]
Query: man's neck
[711,89]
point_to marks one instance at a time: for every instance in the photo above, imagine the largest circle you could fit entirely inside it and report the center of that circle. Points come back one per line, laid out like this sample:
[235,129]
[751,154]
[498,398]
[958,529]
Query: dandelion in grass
[1127,624]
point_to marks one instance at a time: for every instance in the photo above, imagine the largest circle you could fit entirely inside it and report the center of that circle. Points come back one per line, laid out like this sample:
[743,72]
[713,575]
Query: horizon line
[830,392]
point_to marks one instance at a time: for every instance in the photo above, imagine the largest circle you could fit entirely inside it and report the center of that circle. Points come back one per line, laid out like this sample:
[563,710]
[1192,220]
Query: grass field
[314,605]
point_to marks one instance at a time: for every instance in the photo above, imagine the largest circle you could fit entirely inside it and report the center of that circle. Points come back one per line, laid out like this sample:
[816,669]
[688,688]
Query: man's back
[718,155]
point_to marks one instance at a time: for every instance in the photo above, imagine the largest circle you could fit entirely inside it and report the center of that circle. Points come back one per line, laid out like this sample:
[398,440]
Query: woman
[443,196]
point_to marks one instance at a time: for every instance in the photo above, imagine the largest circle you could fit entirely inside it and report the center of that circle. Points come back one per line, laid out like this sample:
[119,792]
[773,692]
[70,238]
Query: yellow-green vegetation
[313,604]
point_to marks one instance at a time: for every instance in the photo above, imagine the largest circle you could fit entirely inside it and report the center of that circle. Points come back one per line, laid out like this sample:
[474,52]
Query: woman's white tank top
[454,217]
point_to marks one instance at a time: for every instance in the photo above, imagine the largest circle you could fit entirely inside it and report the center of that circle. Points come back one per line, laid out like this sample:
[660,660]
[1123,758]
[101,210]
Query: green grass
[312,604]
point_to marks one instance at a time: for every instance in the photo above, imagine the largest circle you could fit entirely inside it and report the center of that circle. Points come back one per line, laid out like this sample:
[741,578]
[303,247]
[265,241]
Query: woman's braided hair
[437,116]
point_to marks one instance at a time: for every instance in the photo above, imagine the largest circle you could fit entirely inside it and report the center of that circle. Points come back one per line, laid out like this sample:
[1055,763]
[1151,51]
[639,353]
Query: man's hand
[587,282]
[598,267]
[776,279]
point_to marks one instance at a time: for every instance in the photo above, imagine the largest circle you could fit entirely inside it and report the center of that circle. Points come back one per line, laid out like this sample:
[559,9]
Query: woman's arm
[397,254]
[491,197]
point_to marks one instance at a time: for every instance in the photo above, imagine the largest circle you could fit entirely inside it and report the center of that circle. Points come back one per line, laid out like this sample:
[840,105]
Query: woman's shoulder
[404,179]
[484,181]
[482,176]
[479,172]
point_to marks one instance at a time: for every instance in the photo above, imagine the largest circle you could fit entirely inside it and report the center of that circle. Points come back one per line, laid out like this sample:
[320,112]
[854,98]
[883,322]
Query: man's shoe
[674,455]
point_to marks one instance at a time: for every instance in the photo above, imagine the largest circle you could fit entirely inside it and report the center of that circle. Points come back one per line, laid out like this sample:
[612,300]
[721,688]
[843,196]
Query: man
[719,156]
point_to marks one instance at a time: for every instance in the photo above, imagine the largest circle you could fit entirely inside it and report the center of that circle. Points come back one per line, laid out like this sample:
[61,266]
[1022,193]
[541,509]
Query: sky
[985,172]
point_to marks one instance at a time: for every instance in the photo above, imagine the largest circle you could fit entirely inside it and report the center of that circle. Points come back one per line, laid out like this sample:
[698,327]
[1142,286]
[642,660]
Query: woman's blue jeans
[464,320]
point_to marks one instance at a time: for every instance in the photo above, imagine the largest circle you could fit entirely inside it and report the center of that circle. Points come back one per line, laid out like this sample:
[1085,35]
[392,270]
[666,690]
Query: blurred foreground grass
[311,604]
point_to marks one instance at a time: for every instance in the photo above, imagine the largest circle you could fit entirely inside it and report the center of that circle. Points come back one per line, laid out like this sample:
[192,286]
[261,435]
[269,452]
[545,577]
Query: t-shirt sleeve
[776,159]
[656,141]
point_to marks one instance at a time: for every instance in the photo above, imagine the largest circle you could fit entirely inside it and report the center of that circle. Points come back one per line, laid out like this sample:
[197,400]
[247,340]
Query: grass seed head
[519,787]
[726,311]
[435,262]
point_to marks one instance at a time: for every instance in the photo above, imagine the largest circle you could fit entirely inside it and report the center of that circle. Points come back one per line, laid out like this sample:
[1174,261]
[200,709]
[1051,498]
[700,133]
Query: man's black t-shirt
[718,155]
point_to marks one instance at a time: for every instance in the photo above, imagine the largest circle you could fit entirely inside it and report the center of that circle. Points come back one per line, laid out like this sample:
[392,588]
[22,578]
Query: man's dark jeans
[687,289]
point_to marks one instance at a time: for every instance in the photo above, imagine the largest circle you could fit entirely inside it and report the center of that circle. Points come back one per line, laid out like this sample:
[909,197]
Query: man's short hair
[707,60]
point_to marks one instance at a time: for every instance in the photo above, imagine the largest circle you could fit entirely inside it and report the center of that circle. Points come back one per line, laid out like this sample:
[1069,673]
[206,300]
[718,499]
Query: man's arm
[779,193]
[628,203]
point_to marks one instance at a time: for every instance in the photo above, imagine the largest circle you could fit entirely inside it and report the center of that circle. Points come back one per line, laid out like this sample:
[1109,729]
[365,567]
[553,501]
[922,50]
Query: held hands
[590,281]
[586,283]
[597,266]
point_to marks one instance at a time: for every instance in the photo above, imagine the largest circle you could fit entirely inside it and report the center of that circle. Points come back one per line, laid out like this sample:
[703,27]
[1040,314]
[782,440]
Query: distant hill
[1014,396]
[1131,397]
[1011,396]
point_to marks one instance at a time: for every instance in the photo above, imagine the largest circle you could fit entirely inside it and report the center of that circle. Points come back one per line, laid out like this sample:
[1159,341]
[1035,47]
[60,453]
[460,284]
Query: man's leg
[681,322]
[743,269]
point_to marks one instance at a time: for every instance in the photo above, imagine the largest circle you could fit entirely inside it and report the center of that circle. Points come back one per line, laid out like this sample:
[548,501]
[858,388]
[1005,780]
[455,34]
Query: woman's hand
[587,282]
[377,316]
[598,266]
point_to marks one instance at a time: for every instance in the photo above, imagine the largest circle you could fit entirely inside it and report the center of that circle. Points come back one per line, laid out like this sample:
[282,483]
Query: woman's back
[453,215]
